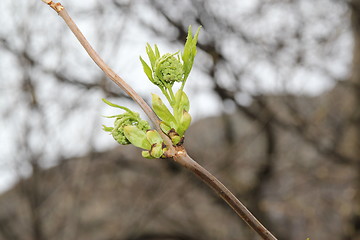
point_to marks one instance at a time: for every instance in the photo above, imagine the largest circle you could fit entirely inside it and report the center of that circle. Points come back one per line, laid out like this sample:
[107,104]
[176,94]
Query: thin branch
[185,160]
[178,153]
[109,72]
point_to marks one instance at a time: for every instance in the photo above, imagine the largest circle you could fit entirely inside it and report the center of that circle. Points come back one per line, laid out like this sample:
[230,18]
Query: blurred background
[275,94]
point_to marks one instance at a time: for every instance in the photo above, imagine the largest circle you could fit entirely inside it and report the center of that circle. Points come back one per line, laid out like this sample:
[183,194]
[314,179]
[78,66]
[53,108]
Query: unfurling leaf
[189,51]
[151,54]
[162,111]
[184,122]
[165,128]
[183,99]
[147,70]
[137,137]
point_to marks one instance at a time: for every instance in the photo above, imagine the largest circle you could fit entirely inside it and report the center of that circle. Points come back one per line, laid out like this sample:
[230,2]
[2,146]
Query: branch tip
[56,6]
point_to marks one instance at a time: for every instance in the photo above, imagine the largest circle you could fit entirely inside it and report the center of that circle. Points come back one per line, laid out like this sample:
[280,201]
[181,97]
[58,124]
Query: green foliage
[137,137]
[163,71]
[129,118]
[129,128]
[189,51]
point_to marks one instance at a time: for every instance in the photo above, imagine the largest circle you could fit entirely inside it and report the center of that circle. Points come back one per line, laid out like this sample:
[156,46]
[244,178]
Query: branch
[186,161]
[109,72]
[178,153]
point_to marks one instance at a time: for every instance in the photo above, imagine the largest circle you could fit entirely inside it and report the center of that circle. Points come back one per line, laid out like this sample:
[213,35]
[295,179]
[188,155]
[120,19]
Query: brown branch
[185,160]
[109,72]
[179,154]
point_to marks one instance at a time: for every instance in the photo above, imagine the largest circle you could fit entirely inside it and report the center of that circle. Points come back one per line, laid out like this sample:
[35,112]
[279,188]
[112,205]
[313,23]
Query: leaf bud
[153,137]
[156,150]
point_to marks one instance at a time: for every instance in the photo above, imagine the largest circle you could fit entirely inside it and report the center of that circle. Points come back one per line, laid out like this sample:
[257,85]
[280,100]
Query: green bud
[168,70]
[129,118]
[118,131]
[153,137]
[146,154]
[143,125]
[137,137]
[174,136]
[156,150]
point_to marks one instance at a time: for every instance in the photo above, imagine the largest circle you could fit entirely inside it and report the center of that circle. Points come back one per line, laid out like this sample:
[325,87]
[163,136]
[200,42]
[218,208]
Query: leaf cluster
[163,71]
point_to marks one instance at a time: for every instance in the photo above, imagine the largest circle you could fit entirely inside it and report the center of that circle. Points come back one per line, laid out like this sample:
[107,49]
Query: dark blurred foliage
[286,140]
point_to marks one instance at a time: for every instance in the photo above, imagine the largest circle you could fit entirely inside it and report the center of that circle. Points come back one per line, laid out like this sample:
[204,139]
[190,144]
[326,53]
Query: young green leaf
[147,70]
[187,47]
[162,111]
[189,51]
[151,55]
[157,52]
[184,103]
[137,137]
[117,106]
[107,129]
[184,123]
[165,127]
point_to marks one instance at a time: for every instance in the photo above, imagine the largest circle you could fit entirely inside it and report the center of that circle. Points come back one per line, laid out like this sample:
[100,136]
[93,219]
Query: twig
[185,160]
[178,153]
[109,72]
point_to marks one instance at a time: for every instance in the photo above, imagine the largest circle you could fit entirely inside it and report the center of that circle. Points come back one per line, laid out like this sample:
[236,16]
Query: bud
[156,150]
[129,118]
[118,132]
[174,136]
[168,69]
[153,137]
[146,154]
